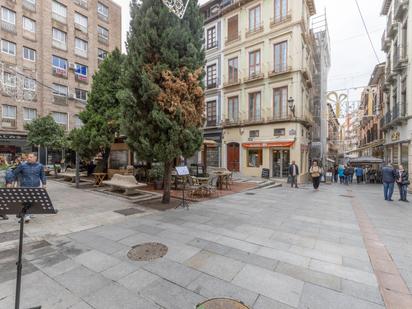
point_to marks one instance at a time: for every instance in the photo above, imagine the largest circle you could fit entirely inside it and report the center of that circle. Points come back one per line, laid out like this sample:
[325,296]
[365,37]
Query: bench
[70,174]
[125,182]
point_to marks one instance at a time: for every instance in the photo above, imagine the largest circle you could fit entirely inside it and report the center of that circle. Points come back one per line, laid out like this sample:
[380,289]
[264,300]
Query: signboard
[182,170]
[292,132]
[395,136]
[265,173]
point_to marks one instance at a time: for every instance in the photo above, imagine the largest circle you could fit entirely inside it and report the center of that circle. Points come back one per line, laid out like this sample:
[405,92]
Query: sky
[352,57]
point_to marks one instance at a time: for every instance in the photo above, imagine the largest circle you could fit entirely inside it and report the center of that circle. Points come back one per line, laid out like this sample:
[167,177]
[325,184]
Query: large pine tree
[163,100]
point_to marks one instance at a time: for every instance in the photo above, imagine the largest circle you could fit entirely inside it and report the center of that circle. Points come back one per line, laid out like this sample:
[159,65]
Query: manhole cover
[129,211]
[147,252]
[250,193]
[349,196]
[222,303]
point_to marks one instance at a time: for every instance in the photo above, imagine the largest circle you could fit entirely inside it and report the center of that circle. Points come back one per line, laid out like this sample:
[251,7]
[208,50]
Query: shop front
[13,144]
[211,154]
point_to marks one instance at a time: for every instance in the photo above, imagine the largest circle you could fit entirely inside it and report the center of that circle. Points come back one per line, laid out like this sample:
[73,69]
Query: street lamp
[291,105]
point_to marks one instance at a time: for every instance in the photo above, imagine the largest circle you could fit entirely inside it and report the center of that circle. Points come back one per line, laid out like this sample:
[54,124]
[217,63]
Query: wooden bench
[125,182]
[70,174]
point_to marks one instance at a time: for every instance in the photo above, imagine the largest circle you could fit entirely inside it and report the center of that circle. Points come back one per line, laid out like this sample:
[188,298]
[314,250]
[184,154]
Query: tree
[45,132]
[163,100]
[101,116]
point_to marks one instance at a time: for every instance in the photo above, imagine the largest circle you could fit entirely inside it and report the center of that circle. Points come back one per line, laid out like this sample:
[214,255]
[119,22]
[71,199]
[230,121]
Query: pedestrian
[3,172]
[341,173]
[351,172]
[315,172]
[335,174]
[32,175]
[403,182]
[359,174]
[346,173]
[388,178]
[293,173]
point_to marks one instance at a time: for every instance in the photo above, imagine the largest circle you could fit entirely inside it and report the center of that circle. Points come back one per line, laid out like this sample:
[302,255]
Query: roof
[378,72]
[385,7]
[311,6]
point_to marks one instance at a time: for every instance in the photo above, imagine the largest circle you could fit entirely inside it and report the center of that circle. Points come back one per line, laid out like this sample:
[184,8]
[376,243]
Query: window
[8,16]
[59,9]
[80,19]
[280,61]
[59,35]
[59,63]
[281,9]
[254,106]
[211,38]
[232,28]
[8,47]
[60,90]
[254,133]
[29,54]
[9,79]
[254,157]
[233,108]
[81,69]
[254,18]
[77,121]
[233,70]
[103,32]
[280,103]
[101,54]
[279,132]
[29,114]
[60,118]
[81,45]
[254,63]
[81,94]
[29,24]
[29,84]
[102,9]
[211,76]
[211,113]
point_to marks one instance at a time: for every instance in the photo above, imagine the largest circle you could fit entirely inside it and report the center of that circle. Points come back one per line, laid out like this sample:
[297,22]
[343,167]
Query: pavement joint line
[394,291]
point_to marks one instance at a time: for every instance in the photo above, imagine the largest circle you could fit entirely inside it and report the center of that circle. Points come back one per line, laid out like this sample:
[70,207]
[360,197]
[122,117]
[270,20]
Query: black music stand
[183,171]
[19,202]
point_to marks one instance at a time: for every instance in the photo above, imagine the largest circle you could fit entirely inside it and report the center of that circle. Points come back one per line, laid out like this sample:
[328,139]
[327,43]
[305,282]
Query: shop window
[254,133]
[254,157]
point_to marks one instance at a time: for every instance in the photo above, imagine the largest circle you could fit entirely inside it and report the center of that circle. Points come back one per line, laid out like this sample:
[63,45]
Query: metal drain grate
[147,251]
[348,196]
[129,211]
[222,303]
[250,193]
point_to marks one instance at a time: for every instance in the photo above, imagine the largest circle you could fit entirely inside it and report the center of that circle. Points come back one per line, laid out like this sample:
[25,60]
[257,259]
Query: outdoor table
[98,178]
[202,180]
[222,177]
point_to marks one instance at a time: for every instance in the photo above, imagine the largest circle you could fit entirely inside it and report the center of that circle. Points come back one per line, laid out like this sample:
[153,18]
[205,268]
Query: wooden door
[233,157]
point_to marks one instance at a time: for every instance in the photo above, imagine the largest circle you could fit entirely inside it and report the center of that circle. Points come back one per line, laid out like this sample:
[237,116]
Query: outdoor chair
[193,187]
[211,186]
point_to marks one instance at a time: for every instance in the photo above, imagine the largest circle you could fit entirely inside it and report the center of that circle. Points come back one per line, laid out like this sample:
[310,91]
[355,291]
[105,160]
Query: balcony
[279,117]
[233,38]
[59,45]
[59,99]
[278,20]
[400,60]
[401,9]
[59,18]
[59,72]
[391,27]
[253,77]
[211,124]
[386,42]
[80,27]
[8,123]
[30,6]
[103,39]
[231,122]
[232,82]
[81,78]
[6,26]
[280,69]
[256,29]
[81,3]
[254,120]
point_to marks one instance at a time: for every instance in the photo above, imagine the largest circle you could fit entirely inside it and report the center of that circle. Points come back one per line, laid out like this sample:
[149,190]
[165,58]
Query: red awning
[268,144]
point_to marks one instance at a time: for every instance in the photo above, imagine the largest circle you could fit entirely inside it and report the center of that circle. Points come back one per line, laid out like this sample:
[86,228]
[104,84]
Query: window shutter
[232,26]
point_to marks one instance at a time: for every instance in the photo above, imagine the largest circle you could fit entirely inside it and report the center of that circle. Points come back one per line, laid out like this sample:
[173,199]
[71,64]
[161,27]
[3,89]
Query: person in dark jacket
[403,182]
[389,177]
[293,173]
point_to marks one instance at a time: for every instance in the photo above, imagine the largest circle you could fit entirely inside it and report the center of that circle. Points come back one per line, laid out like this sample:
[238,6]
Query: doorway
[233,157]
[281,161]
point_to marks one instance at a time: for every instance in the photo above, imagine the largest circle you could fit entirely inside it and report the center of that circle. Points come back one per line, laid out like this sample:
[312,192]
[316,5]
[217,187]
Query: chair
[211,186]
[193,186]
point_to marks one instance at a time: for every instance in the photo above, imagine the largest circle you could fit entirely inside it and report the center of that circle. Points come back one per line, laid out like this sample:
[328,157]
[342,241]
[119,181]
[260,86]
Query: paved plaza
[341,247]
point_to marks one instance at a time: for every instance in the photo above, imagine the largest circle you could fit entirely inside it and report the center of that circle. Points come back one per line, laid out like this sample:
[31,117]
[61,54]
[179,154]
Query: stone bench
[125,182]
[70,174]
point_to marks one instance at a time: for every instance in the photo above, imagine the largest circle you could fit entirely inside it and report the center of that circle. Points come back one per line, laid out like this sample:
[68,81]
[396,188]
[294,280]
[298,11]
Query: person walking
[403,182]
[351,172]
[341,173]
[389,177]
[346,173]
[335,174]
[32,175]
[3,173]
[293,173]
[359,174]
[315,172]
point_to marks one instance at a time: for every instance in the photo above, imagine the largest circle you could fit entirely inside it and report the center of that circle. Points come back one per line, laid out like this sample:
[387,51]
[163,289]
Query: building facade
[397,44]
[267,56]
[49,53]
[333,137]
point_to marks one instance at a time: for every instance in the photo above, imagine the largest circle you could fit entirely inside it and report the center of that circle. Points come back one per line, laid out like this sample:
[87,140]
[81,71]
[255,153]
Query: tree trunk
[167,179]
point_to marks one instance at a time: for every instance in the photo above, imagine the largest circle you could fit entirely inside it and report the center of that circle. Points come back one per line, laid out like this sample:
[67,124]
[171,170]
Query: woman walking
[403,182]
[315,172]
[341,173]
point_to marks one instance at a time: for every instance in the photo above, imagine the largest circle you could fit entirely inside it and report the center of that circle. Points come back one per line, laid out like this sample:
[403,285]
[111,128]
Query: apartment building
[266,88]
[397,44]
[49,53]
[333,137]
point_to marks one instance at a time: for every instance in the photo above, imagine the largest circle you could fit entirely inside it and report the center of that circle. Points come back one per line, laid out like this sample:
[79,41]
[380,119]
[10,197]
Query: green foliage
[45,132]
[164,57]
[101,116]
[157,172]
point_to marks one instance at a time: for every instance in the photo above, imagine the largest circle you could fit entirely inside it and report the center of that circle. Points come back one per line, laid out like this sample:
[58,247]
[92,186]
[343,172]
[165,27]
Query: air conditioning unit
[71,96]
[72,66]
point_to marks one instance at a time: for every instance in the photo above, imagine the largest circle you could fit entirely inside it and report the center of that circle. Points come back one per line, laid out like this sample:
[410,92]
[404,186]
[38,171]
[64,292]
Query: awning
[209,142]
[366,160]
[330,160]
[269,144]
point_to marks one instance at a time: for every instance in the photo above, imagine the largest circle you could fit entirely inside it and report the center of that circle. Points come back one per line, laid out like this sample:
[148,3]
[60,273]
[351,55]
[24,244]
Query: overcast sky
[353,59]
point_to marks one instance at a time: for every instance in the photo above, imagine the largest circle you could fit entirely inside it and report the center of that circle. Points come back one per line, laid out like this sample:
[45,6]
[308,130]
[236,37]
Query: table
[222,177]
[202,180]
[98,178]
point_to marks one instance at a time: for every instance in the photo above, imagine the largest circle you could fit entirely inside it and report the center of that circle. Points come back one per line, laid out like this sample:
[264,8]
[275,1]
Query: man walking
[389,177]
[359,174]
[31,175]
[293,173]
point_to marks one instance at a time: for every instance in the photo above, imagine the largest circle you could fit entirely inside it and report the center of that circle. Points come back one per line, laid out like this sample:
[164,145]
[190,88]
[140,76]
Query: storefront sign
[292,132]
[12,137]
[268,144]
[395,136]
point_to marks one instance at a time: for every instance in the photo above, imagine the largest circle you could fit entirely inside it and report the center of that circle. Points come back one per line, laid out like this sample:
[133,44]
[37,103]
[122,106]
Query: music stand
[19,202]
[183,171]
